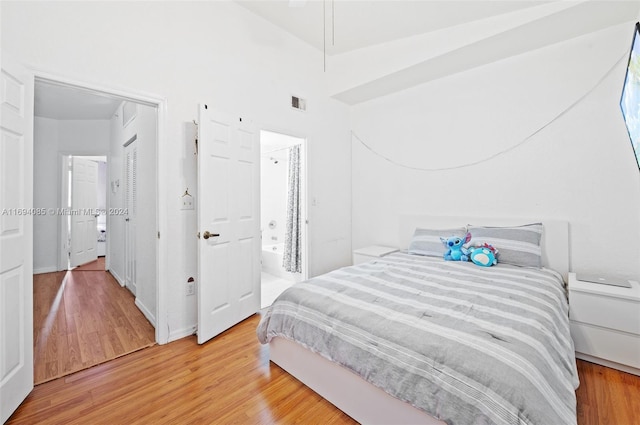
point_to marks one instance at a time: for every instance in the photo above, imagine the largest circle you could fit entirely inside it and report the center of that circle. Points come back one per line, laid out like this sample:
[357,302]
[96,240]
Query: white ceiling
[353,24]
[375,30]
[68,103]
[342,26]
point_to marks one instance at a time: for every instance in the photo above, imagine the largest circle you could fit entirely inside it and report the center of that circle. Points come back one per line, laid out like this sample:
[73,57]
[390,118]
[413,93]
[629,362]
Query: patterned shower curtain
[292,259]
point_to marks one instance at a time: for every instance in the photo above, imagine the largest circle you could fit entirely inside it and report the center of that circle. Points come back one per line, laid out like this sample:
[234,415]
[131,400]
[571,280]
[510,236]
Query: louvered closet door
[131,158]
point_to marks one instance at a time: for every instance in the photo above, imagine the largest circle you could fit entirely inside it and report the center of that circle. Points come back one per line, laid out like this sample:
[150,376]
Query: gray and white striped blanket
[466,344]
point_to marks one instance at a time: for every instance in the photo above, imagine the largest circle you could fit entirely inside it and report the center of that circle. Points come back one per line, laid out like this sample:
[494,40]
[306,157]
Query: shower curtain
[292,261]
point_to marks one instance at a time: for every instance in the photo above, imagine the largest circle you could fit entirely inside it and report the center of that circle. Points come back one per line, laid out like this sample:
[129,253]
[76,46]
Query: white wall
[273,194]
[45,194]
[53,138]
[143,126]
[192,52]
[579,168]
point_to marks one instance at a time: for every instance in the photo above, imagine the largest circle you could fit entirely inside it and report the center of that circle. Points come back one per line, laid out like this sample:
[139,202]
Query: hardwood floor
[97,265]
[231,381]
[83,318]
[607,396]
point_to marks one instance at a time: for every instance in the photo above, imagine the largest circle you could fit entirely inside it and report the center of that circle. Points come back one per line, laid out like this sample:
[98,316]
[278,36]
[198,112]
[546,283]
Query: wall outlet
[191,288]
[187,202]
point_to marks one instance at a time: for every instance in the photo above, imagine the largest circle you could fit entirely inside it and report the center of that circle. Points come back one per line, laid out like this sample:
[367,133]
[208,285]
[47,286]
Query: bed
[414,339]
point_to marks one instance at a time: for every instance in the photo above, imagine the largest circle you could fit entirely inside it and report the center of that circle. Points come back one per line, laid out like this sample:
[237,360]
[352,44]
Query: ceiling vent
[298,103]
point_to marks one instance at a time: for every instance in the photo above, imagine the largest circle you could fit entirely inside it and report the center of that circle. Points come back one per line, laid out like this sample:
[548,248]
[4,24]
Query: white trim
[41,270]
[304,151]
[607,363]
[182,333]
[116,277]
[143,308]
[160,103]
[63,194]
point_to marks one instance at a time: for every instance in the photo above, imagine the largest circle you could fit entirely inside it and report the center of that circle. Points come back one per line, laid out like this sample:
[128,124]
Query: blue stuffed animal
[484,255]
[455,249]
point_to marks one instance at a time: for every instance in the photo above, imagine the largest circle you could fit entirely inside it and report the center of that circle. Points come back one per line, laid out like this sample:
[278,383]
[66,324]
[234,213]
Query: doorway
[282,173]
[72,124]
[83,213]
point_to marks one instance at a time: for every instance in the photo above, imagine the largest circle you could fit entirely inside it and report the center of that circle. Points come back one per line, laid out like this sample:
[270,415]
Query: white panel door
[130,204]
[84,206]
[16,237]
[228,222]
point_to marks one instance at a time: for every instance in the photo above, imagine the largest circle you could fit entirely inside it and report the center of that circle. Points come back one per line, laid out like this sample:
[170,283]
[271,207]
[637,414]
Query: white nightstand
[368,253]
[605,323]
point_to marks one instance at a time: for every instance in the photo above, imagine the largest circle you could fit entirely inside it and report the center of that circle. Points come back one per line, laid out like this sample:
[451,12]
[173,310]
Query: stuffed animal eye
[457,241]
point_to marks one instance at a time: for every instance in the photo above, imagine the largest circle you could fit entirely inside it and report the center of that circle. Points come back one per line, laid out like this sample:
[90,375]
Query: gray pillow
[427,241]
[517,245]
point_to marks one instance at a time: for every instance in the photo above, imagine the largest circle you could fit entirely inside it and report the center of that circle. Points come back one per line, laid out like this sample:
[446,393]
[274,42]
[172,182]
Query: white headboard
[555,239]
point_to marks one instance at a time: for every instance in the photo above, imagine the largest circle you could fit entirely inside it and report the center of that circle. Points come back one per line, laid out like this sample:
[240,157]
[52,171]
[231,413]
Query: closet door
[131,159]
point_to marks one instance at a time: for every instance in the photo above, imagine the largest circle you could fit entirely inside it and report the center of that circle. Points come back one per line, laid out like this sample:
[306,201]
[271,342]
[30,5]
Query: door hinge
[158,234]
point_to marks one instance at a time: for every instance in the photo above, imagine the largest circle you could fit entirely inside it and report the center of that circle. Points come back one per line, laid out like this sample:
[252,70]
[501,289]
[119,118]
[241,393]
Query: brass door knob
[208,235]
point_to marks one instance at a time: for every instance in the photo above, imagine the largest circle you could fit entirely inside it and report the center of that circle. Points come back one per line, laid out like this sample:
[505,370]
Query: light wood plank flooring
[81,319]
[96,265]
[231,381]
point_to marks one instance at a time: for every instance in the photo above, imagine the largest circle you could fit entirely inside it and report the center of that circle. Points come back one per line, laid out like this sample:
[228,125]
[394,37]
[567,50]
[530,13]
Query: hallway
[81,319]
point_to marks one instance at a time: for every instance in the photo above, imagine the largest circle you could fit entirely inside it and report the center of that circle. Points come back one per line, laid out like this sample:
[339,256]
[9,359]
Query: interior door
[16,237]
[130,204]
[228,222]
[84,206]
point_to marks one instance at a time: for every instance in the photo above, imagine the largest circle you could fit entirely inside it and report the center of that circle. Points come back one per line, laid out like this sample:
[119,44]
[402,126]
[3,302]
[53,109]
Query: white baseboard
[146,312]
[608,363]
[181,333]
[48,269]
[116,277]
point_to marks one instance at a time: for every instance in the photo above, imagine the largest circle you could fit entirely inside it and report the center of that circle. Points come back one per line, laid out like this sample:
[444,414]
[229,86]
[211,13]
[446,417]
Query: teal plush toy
[455,249]
[484,255]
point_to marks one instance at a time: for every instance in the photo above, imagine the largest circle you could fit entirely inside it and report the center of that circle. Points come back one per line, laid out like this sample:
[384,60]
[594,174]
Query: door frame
[129,254]
[161,248]
[304,188]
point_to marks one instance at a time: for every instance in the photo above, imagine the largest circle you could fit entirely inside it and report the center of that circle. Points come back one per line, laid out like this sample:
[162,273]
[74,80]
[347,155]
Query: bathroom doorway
[283,221]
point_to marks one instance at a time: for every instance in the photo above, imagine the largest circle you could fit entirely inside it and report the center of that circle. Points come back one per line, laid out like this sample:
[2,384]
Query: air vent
[298,103]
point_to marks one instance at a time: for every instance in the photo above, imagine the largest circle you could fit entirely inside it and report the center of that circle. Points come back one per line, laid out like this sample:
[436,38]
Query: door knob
[208,235]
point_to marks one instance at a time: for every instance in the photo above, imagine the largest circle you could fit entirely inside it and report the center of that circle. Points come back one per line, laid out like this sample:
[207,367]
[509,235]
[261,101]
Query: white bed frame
[358,398]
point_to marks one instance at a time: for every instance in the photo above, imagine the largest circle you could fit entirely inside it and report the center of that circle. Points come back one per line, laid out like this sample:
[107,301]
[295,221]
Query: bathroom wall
[273,189]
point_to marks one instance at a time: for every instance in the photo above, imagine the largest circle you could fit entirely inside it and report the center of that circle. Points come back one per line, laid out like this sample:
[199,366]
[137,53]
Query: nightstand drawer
[606,344]
[608,312]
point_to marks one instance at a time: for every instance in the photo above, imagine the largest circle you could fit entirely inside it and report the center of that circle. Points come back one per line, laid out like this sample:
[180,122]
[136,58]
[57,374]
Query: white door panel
[228,207]
[84,205]
[16,237]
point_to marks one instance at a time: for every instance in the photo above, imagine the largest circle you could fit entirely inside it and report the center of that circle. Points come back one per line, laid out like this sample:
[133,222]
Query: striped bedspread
[466,344]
